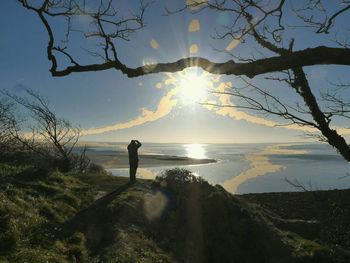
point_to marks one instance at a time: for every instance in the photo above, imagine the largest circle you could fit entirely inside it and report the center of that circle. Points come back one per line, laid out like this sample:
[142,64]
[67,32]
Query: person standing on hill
[133,146]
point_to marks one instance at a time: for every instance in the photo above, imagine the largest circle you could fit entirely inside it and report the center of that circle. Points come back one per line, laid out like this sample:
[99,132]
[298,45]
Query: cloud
[165,105]
[194,26]
[235,113]
[154,44]
[168,102]
[225,99]
[343,131]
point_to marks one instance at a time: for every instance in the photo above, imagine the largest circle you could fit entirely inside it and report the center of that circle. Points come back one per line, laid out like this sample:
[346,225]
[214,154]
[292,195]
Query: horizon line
[286,142]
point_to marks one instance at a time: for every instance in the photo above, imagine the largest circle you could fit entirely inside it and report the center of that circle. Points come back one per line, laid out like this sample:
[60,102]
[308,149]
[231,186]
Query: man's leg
[137,165]
[133,173]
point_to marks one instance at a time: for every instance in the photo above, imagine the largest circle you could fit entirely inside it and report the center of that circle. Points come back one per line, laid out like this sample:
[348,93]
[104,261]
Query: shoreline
[120,160]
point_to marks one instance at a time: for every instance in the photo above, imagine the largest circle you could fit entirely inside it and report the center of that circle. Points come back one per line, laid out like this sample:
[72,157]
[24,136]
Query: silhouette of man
[133,158]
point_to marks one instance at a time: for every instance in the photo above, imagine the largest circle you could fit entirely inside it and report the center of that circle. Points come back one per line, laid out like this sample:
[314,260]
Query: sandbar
[119,159]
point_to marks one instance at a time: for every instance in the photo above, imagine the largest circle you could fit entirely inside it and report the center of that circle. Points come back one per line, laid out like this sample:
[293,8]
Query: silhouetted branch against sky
[276,29]
[107,26]
[48,130]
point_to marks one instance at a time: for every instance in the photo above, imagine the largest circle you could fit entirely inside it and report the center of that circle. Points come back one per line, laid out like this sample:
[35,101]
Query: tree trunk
[302,86]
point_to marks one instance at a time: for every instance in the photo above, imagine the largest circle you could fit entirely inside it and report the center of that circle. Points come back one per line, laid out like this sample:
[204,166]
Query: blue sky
[103,99]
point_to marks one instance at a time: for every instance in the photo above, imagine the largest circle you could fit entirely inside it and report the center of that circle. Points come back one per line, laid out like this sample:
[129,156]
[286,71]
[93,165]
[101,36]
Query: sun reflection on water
[196,151]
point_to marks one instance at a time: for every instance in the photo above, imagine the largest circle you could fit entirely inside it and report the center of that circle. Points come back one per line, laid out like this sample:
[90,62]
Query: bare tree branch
[48,131]
[260,21]
[121,29]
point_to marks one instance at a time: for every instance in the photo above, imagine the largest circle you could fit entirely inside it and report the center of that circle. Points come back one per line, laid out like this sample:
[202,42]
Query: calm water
[252,168]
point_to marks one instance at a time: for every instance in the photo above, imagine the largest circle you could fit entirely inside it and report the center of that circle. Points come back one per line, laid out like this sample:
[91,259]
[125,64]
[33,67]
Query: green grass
[134,246]
[102,182]
[55,217]
[33,206]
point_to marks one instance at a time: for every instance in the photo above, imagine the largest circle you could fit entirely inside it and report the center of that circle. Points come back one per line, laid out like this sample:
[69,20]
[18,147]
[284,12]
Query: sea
[253,168]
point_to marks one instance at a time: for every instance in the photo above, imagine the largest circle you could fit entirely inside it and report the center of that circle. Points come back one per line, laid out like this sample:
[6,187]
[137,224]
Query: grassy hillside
[176,218]
[33,207]
[331,209]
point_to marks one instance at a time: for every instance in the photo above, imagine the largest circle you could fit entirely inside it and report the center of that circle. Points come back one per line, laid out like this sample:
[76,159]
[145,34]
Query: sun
[193,86]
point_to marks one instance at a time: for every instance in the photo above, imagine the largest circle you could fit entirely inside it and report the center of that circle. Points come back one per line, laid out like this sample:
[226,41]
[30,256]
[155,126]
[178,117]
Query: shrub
[96,168]
[179,180]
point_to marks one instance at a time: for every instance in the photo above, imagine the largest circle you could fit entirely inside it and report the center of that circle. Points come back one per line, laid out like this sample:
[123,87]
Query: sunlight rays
[190,88]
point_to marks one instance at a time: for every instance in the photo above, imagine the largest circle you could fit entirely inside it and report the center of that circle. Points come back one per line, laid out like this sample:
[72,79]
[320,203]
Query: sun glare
[196,151]
[193,87]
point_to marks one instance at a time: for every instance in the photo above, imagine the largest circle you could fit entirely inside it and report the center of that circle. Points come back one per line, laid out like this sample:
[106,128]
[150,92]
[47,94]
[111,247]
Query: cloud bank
[165,105]
[235,113]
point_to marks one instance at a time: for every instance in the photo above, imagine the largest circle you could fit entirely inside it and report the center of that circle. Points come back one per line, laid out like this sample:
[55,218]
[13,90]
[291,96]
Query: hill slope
[177,218]
[181,218]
